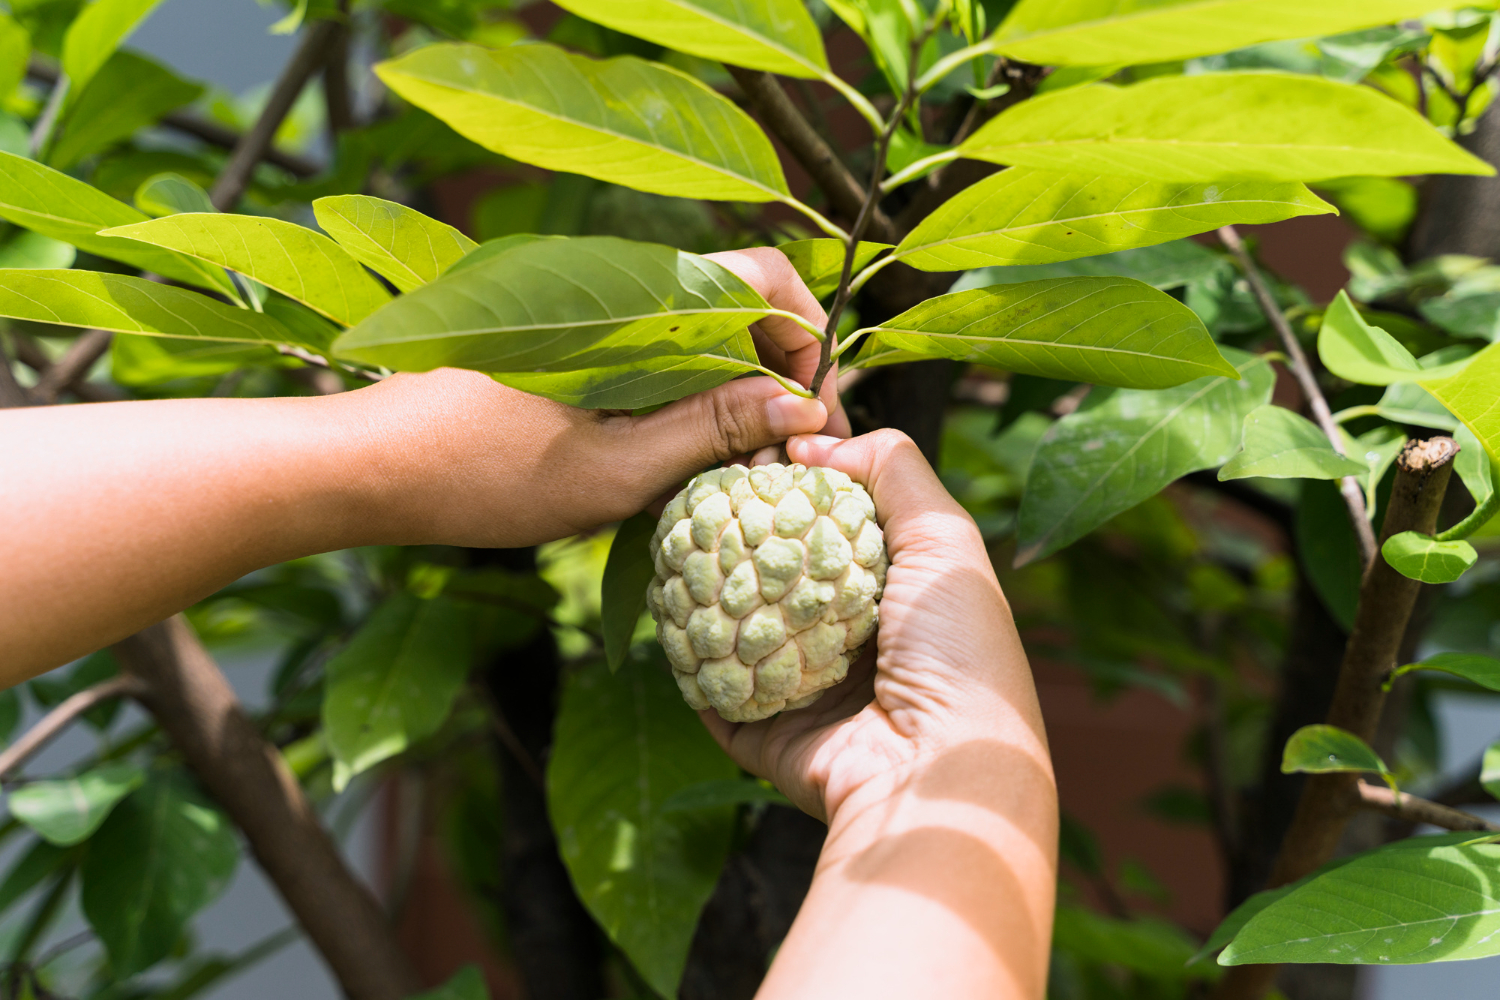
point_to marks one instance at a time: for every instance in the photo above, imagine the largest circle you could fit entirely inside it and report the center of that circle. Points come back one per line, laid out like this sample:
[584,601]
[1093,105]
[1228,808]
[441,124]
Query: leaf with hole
[1422,557]
[1108,331]
[623,120]
[69,810]
[1280,444]
[820,263]
[53,204]
[392,240]
[1099,32]
[1218,127]
[1423,899]
[129,93]
[1324,749]
[163,854]
[624,746]
[1123,446]
[778,36]
[622,591]
[395,682]
[1028,216]
[295,261]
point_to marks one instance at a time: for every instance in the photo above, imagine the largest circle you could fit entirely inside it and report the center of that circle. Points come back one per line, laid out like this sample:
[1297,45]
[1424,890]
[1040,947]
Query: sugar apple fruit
[766,588]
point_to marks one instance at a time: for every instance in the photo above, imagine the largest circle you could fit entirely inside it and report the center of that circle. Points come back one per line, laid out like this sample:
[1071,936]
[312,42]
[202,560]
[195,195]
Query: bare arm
[114,516]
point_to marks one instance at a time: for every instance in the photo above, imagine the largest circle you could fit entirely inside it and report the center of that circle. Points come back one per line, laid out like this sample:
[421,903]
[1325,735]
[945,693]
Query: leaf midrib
[748,33]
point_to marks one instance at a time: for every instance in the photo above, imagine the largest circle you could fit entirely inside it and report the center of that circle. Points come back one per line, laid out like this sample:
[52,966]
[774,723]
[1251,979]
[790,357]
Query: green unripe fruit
[767,586]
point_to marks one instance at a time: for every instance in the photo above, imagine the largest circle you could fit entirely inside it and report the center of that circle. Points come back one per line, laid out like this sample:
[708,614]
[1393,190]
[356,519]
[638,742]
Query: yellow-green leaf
[1280,444]
[820,263]
[1353,349]
[129,93]
[1422,557]
[395,241]
[1473,396]
[1328,749]
[95,34]
[15,49]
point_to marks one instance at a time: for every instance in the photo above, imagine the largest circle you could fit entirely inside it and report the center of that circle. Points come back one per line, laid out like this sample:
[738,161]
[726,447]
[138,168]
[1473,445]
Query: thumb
[708,427]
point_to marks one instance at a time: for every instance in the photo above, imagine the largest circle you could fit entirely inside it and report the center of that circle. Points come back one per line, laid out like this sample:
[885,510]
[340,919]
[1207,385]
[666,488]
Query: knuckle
[729,430]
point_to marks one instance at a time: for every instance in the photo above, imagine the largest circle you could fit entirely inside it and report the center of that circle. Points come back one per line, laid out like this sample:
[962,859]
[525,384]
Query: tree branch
[252,147]
[72,366]
[1354,494]
[1414,810]
[844,192]
[1386,601]
[55,721]
[196,707]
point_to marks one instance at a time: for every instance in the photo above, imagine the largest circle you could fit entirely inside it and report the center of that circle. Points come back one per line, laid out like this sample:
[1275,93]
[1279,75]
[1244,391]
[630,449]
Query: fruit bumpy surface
[767,586]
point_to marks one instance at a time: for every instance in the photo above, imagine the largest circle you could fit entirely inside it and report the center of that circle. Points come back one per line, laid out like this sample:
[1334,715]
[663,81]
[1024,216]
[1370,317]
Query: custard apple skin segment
[767,586]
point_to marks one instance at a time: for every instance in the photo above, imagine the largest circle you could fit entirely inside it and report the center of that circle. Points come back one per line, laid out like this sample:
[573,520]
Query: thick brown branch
[73,366]
[195,706]
[844,192]
[55,721]
[252,147]
[1415,810]
[201,128]
[1386,600]
[1354,494]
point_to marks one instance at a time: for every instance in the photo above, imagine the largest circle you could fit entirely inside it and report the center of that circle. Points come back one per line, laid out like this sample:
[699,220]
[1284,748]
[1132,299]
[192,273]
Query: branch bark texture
[196,707]
[55,721]
[1414,810]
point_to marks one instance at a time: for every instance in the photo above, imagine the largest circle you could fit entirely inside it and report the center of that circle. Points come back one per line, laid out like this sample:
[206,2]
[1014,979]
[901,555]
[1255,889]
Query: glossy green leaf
[395,682]
[1098,32]
[723,792]
[627,574]
[624,120]
[23,248]
[53,204]
[15,49]
[1280,444]
[466,984]
[1109,331]
[295,261]
[395,241]
[1326,749]
[821,262]
[1216,127]
[778,36]
[1235,922]
[141,361]
[171,194]
[624,744]
[94,35]
[1470,396]
[163,854]
[1167,265]
[1353,349]
[1489,770]
[130,92]
[1422,557]
[1123,446]
[117,302]
[1026,216]
[1424,899]
[1482,670]
[558,307]
[68,811]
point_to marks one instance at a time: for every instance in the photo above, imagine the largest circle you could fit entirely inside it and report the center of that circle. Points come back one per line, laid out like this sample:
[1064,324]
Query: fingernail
[787,415]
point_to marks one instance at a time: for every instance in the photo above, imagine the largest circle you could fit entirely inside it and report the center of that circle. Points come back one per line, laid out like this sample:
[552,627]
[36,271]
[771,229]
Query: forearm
[938,885]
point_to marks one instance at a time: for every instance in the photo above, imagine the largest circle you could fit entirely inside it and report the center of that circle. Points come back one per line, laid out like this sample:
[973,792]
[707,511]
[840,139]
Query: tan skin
[929,763]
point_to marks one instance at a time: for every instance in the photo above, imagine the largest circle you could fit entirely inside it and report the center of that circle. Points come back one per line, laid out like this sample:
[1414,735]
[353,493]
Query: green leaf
[94,35]
[295,261]
[1096,32]
[141,361]
[625,744]
[395,682]
[640,383]
[778,36]
[163,854]
[560,307]
[1280,444]
[1109,331]
[23,248]
[1470,396]
[1482,670]
[53,204]
[1328,549]
[117,302]
[1409,403]
[1425,899]
[1237,919]
[130,92]
[15,50]
[1026,216]
[1326,749]
[1421,557]
[625,120]
[1473,466]
[1489,770]
[1168,265]
[171,194]
[1377,448]
[395,241]
[1123,446]
[821,262]
[1353,349]
[627,574]
[722,792]
[67,812]
[1150,946]
[1217,127]
[40,861]
[466,984]
[10,713]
